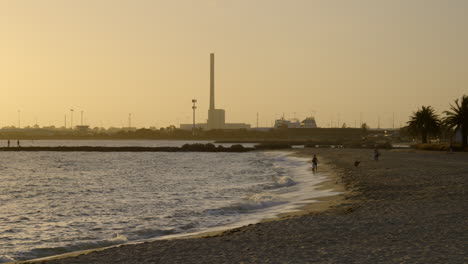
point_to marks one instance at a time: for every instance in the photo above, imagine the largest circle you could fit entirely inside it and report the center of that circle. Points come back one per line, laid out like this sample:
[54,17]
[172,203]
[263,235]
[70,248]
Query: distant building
[82,128]
[283,123]
[294,123]
[236,126]
[216,117]
[309,122]
[226,126]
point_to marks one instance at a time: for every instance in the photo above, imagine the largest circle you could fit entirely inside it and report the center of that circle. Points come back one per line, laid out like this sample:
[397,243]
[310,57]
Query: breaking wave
[5,258]
[253,202]
[283,181]
[51,251]
[259,201]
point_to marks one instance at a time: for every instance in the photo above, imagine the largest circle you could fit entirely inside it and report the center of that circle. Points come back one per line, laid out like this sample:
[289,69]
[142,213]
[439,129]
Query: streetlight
[194,107]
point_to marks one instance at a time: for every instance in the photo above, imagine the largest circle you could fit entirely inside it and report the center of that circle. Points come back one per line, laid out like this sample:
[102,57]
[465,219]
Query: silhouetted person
[314,163]
[18,143]
[376,154]
[8,144]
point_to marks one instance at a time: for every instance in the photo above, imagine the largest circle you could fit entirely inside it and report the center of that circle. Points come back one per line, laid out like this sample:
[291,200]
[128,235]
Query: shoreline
[323,203]
[409,207]
[313,205]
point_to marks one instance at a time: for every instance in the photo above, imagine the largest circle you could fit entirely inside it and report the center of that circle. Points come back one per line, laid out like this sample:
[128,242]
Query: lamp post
[194,107]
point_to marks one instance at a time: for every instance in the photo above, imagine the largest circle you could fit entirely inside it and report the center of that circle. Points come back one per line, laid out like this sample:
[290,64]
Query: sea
[58,202]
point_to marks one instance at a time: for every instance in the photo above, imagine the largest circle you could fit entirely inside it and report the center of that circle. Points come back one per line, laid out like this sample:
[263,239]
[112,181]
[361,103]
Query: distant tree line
[173,133]
[425,123]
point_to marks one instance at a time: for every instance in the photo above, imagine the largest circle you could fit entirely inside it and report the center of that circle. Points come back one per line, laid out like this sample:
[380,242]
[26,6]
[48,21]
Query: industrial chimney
[212,95]
[216,117]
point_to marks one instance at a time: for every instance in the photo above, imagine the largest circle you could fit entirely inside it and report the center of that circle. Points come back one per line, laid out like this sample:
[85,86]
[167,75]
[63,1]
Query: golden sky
[331,58]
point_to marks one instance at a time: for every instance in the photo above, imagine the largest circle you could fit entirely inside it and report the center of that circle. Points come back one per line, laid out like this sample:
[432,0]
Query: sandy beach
[409,207]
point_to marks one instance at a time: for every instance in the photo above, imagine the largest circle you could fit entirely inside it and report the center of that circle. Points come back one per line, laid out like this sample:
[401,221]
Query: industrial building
[216,117]
[309,122]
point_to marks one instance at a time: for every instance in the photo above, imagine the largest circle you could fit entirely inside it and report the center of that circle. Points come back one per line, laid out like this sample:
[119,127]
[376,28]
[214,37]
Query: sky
[342,61]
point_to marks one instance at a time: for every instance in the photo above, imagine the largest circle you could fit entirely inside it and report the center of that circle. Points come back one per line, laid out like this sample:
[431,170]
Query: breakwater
[185,148]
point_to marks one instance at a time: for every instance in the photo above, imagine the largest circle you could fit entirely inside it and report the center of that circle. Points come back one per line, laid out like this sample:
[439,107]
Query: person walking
[376,154]
[314,163]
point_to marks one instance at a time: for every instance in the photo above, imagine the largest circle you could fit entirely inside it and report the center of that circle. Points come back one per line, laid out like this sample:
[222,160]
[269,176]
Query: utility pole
[393,120]
[378,122]
[257,119]
[360,119]
[19,119]
[71,119]
[129,121]
[194,107]
[81,117]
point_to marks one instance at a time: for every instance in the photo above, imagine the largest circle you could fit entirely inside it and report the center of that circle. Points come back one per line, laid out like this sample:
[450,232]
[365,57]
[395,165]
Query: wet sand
[409,207]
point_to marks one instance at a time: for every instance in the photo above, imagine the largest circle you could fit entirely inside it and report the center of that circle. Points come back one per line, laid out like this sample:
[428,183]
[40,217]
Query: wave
[117,240]
[151,233]
[5,258]
[283,181]
[45,252]
[253,202]
[260,201]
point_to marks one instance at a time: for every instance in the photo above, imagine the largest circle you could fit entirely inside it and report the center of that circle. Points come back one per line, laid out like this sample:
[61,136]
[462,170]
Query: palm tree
[457,118]
[424,123]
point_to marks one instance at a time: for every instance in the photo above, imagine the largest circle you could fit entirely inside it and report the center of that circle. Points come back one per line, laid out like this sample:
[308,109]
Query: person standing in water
[314,163]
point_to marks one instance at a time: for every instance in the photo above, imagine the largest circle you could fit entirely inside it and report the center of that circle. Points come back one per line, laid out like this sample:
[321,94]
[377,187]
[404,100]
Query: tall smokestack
[212,95]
